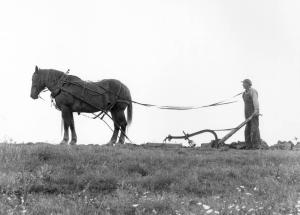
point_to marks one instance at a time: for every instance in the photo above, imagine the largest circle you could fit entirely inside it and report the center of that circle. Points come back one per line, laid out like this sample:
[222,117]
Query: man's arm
[255,101]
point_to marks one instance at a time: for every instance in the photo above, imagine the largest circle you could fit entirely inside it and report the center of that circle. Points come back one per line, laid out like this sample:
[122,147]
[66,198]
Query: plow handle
[233,131]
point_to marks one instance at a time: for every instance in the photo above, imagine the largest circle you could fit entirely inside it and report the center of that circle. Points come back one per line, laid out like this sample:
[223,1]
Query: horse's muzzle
[33,96]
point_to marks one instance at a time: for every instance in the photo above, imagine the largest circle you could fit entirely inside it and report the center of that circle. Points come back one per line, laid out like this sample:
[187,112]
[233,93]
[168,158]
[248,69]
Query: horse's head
[38,84]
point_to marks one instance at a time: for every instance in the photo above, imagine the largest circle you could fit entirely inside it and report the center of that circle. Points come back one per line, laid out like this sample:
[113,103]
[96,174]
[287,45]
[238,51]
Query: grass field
[52,179]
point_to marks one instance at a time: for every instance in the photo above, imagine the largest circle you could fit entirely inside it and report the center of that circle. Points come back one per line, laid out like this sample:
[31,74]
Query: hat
[248,81]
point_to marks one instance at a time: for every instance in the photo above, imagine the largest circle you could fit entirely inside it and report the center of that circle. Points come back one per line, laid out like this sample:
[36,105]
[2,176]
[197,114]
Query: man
[252,134]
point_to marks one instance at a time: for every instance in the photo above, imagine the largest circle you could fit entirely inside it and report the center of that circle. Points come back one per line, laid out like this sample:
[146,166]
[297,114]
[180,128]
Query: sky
[168,52]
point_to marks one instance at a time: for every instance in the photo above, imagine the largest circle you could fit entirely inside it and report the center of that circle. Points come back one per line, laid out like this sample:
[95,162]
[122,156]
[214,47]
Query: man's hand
[256,113]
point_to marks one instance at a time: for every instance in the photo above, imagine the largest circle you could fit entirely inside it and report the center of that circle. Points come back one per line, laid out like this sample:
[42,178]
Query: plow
[187,137]
[216,143]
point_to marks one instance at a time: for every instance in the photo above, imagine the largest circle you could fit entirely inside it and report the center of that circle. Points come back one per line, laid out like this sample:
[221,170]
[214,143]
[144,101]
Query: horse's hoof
[110,143]
[64,142]
[121,142]
[73,142]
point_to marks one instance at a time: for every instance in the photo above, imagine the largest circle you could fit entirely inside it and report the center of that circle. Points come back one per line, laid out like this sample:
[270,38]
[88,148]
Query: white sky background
[167,53]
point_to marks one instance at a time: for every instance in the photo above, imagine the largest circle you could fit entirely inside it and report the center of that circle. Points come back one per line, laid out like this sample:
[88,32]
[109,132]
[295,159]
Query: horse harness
[64,80]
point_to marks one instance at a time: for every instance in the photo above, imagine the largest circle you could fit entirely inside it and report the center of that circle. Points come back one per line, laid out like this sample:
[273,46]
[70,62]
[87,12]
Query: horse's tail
[129,113]
[129,110]
[62,127]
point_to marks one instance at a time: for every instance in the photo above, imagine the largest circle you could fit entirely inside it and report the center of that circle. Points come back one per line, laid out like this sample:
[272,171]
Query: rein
[169,107]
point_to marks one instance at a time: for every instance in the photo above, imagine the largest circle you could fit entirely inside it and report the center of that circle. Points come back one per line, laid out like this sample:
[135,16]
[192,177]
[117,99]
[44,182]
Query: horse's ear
[36,68]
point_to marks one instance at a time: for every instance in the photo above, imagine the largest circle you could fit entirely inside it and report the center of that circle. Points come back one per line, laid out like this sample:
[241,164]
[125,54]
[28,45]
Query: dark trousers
[252,134]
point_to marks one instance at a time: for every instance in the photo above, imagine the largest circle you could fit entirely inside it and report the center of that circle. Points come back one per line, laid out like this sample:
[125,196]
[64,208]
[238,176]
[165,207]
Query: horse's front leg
[72,126]
[67,118]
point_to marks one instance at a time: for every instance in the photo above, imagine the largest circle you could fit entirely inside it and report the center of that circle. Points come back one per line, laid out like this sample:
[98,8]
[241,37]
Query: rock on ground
[283,145]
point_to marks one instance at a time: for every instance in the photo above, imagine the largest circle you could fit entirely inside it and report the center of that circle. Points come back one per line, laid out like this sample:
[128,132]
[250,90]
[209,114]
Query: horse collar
[59,86]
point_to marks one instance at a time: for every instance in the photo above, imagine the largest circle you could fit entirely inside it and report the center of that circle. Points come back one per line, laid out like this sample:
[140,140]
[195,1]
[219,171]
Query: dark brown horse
[72,94]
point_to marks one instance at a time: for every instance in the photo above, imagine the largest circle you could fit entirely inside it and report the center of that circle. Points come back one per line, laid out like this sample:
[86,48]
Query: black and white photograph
[161,107]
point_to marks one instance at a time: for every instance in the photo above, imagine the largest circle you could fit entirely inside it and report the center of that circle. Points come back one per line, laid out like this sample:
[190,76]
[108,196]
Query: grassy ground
[51,179]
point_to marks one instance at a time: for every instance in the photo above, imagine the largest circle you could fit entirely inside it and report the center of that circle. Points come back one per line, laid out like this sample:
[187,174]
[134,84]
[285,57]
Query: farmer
[250,97]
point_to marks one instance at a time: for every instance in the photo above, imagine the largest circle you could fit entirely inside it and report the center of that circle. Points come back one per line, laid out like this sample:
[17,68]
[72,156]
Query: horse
[71,94]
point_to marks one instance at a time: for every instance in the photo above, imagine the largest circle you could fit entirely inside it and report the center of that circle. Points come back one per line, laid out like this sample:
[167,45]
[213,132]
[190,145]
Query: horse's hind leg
[121,120]
[114,137]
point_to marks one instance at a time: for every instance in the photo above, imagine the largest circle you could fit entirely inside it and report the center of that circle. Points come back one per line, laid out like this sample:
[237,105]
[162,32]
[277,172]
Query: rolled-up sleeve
[254,95]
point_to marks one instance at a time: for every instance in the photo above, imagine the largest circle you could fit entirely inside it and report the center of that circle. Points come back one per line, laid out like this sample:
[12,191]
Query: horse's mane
[52,75]
[54,72]
[56,75]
